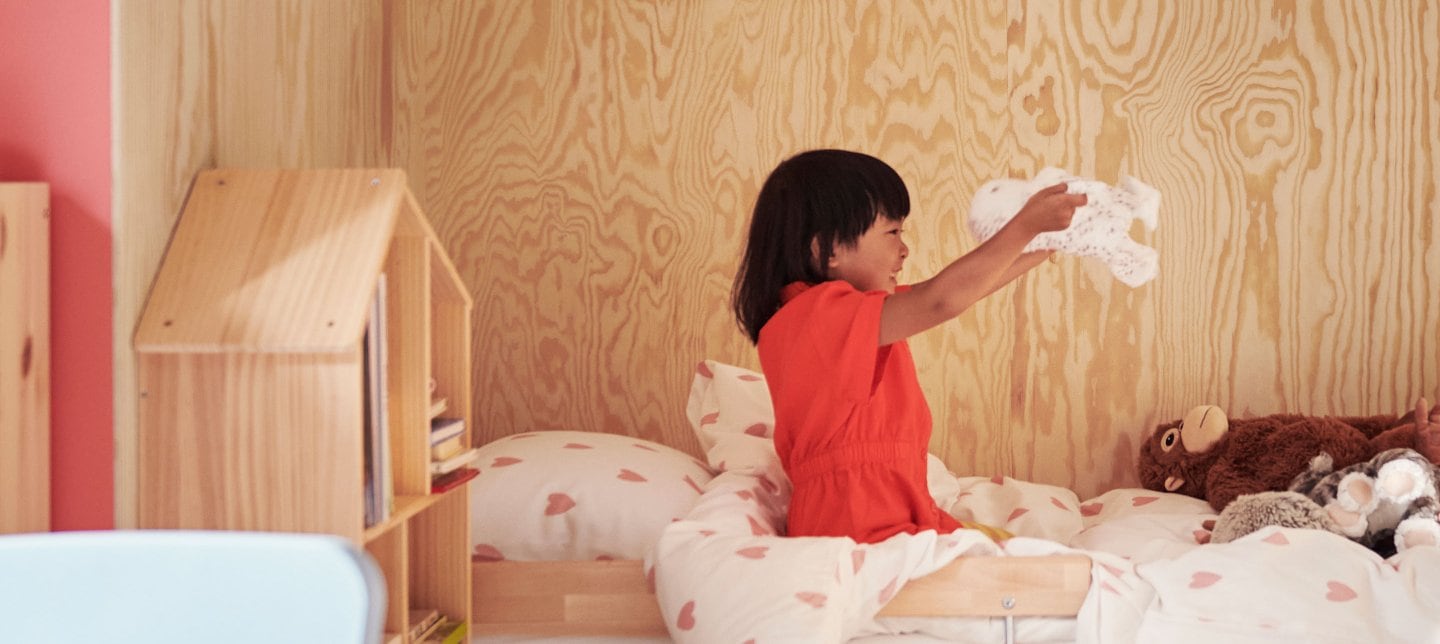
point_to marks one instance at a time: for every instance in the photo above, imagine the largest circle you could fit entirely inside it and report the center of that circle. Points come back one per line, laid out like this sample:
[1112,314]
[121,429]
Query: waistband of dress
[856,454]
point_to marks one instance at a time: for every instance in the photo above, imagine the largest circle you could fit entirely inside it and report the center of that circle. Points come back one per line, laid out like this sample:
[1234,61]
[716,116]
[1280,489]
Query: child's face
[872,263]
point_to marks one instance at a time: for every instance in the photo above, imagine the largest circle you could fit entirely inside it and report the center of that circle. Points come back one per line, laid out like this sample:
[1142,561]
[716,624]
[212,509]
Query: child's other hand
[1049,210]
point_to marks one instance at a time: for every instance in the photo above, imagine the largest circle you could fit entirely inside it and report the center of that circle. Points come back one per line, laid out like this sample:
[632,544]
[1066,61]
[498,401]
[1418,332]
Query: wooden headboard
[24,357]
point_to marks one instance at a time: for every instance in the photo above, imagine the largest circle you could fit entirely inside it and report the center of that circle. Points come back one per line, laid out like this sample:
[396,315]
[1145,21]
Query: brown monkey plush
[1209,456]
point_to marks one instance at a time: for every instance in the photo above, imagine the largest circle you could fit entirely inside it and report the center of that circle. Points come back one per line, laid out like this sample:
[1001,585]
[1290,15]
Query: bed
[609,536]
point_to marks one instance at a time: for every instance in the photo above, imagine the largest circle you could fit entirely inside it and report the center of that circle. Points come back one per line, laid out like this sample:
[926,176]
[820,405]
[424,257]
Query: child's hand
[1049,210]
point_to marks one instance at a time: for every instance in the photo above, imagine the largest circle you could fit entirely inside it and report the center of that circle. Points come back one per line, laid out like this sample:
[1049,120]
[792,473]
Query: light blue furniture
[157,586]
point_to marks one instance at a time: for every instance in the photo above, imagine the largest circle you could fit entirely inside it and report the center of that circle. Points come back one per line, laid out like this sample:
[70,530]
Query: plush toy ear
[1202,428]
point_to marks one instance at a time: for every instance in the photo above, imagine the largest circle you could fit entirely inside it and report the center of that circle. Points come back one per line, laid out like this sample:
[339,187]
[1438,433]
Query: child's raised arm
[981,271]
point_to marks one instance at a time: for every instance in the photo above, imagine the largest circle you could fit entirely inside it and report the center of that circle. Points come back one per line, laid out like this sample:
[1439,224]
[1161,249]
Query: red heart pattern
[577,446]
[704,370]
[814,599]
[1091,509]
[1277,538]
[1203,579]
[686,620]
[693,485]
[758,429]
[630,475]
[559,504]
[1143,500]
[1017,513]
[857,558]
[753,552]
[769,486]
[888,592]
[487,552]
[1339,592]
[503,461]
[755,527]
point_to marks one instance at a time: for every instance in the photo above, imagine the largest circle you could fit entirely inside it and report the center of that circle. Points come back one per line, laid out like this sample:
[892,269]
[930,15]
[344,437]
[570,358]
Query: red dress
[851,424]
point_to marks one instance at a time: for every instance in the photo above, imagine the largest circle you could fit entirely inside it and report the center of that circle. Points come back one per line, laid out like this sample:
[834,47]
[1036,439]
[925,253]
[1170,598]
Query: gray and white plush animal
[1100,229]
[1388,503]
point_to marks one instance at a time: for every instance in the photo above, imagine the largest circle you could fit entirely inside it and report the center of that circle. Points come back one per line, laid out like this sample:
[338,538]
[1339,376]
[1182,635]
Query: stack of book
[448,454]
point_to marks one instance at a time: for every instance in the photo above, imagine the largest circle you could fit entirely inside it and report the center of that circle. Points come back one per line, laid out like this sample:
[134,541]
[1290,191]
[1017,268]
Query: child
[817,293]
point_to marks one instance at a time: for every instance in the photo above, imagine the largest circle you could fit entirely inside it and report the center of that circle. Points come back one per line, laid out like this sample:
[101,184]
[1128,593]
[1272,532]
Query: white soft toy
[1100,229]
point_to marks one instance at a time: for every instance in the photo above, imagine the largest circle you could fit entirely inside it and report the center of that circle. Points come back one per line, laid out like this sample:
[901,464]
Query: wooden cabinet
[24,357]
[252,371]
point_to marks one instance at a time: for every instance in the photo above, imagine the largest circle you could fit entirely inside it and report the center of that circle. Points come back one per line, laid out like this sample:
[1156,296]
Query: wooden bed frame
[568,598]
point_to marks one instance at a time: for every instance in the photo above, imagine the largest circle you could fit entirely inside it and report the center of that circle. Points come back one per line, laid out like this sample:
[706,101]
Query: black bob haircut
[828,197]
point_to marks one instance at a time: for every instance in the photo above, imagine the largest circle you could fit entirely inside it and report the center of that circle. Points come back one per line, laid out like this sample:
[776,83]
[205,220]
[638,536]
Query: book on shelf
[449,631]
[451,480]
[422,621]
[432,630]
[454,462]
[437,407]
[442,429]
[447,448]
[380,487]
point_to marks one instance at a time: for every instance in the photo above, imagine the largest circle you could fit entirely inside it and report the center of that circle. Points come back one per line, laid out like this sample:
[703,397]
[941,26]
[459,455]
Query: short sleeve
[830,333]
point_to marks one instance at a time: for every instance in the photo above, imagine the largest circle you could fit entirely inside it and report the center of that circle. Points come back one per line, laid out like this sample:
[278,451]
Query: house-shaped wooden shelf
[252,370]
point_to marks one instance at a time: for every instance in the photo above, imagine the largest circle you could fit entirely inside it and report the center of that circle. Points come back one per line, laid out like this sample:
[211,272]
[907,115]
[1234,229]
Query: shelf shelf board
[406,506]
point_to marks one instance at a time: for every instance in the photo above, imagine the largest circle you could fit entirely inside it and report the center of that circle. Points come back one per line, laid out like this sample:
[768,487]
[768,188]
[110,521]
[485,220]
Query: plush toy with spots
[1100,228]
[1387,504]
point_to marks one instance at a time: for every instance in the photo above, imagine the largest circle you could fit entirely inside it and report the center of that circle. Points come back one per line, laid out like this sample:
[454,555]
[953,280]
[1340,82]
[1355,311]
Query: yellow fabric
[996,534]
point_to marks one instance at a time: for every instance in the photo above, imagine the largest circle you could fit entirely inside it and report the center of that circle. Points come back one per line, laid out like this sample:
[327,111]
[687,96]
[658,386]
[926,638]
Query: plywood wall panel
[202,84]
[591,167]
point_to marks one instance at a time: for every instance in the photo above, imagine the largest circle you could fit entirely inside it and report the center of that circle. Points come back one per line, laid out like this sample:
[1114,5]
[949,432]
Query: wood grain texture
[251,268]
[591,166]
[202,84]
[278,451]
[24,357]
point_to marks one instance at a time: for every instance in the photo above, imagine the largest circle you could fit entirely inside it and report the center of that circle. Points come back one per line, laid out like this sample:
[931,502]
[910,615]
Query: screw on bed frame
[1007,603]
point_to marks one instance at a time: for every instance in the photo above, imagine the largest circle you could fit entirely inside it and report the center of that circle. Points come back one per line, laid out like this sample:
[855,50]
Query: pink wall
[55,127]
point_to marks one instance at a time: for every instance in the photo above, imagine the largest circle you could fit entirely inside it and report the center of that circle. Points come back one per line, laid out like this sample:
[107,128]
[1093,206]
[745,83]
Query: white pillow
[727,400]
[567,495]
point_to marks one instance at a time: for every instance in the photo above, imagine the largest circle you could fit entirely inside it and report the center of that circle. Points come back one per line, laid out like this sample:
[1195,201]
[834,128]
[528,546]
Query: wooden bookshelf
[24,357]
[252,371]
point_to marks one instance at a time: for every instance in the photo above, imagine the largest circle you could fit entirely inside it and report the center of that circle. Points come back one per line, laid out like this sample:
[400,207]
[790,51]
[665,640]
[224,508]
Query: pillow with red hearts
[569,495]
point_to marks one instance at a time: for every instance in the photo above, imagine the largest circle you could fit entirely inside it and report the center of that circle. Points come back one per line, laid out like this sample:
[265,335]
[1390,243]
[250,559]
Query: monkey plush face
[1178,455]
